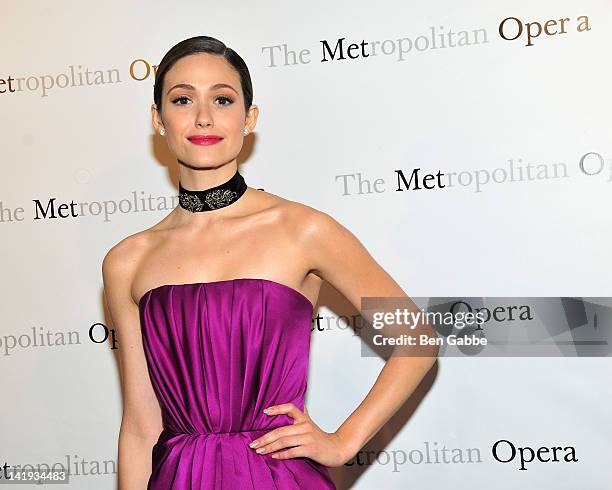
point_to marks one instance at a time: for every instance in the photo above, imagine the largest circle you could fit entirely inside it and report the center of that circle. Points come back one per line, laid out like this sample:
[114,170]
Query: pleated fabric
[218,353]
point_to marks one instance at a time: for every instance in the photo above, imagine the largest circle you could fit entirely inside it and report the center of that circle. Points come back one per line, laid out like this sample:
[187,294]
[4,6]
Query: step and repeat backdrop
[466,144]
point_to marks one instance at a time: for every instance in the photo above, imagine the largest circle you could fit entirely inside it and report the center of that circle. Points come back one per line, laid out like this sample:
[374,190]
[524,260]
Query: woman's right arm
[141,422]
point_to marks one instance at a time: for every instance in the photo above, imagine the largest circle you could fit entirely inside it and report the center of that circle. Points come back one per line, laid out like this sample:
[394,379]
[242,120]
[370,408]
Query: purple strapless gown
[218,353]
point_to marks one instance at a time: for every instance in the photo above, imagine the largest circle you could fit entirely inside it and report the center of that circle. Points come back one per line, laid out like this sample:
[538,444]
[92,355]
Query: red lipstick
[204,139]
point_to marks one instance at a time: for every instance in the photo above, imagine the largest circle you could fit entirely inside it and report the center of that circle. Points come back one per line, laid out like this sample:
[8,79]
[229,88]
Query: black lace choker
[214,198]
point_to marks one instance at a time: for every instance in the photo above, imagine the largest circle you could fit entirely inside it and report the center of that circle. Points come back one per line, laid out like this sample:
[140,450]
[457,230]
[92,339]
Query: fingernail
[254,444]
[266,410]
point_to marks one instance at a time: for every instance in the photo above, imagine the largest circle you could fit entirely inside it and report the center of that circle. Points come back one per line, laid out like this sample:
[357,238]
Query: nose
[204,117]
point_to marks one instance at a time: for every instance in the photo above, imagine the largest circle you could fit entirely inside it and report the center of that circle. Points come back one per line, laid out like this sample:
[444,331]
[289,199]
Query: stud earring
[162,131]
[245,130]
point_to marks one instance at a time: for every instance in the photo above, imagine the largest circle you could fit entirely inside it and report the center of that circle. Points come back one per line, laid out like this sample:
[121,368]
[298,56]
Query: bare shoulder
[325,237]
[121,261]
[335,254]
[325,242]
[305,222]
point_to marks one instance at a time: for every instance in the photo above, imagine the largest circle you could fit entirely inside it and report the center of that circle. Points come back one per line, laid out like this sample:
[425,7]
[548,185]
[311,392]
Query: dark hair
[203,44]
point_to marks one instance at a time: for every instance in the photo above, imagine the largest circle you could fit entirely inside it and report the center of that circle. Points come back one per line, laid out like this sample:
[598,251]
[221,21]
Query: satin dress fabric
[218,353]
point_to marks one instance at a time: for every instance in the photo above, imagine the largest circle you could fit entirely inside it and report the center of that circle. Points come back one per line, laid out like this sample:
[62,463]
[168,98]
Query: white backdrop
[465,110]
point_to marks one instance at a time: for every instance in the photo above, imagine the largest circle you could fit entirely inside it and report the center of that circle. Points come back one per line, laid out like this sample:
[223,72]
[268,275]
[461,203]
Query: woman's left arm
[337,256]
[342,260]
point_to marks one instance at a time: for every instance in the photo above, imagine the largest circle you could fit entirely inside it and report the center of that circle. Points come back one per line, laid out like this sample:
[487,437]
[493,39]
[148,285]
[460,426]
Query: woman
[190,298]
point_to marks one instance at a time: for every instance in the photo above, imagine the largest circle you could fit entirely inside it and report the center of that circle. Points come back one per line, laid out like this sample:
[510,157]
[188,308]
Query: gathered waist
[200,433]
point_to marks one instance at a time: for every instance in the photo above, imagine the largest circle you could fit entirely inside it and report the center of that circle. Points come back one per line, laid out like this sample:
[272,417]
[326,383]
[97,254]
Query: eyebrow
[191,87]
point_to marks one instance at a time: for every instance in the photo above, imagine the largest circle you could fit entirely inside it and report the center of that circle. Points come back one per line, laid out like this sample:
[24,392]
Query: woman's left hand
[304,438]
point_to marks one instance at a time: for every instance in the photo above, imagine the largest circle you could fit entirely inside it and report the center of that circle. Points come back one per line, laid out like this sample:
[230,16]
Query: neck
[205,178]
